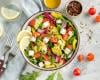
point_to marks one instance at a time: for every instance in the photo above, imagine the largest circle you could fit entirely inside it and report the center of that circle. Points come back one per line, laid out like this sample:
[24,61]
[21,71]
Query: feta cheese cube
[46,40]
[33,39]
[46,24]
[41,64]
[67,51]
[60,42]
[58,21]
[31,52]
[47,63]
[63,31]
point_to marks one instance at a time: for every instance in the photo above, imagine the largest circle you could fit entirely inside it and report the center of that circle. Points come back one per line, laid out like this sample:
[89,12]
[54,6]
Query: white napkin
[31,6]
[16,65]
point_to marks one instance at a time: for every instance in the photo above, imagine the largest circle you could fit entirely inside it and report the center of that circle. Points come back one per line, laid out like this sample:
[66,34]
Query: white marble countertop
[85,24]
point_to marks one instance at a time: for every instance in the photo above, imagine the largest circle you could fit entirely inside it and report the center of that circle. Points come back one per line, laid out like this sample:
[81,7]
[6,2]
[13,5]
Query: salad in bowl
[48,40]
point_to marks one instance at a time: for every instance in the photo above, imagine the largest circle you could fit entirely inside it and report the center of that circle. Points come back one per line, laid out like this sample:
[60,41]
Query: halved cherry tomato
[69,47]
[69,29]
[90,57]
[37,55]
[47,30]
[46,57]
[65,36]
[32,23]
[45,19]
[62,61]
[36,34]
[52,23]
[43,35]
[54,40]
[76,72]
[92,11]
[97,19]
[58,58]
[80,57]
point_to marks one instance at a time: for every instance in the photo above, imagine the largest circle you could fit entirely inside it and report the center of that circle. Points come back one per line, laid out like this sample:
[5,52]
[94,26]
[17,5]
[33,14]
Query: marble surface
[86,27]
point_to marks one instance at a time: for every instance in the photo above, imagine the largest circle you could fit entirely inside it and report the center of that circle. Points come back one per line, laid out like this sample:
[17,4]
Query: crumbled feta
[70,33]
[60,42]
[63,31]
[31,52]
[46,24]
[47,63]
[41,64]
[33,39]
[67,51]
[45,40]
[59,21]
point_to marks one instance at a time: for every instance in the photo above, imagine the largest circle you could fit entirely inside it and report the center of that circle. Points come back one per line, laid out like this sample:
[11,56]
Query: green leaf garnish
[30,76]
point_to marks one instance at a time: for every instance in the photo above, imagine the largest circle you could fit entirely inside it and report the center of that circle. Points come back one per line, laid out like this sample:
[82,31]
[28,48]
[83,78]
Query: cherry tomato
[54,40]
[69,29]
[80,58]
[32,23]
[46,57]
[97,19]
[90,57]
[45,19]
[62,61]
[44,35]
[65,36]
[76,72]
[37,55]
[69,47]
[92,11]
[36,34]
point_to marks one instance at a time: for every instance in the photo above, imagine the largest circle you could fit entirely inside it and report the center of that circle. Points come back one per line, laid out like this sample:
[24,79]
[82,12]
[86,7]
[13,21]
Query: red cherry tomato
[65,36]
[90,57]
[76,72]
[92,11]
[32,23]
[45,19]
[37,55]
[54,40]
[36,34]
[80,58]
[69,47]
[97,19]
[46,57]
[62,61]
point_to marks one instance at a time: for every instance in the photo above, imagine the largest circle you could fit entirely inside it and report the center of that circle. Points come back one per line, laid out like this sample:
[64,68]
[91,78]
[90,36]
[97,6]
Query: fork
[4,60]
[3,67]
[7,48]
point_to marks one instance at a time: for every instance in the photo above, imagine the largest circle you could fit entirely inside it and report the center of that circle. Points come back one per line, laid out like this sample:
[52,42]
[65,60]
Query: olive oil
[52,3]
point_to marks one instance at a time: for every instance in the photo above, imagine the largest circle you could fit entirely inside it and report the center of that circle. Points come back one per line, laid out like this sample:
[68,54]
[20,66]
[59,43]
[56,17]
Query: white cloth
[15,66]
